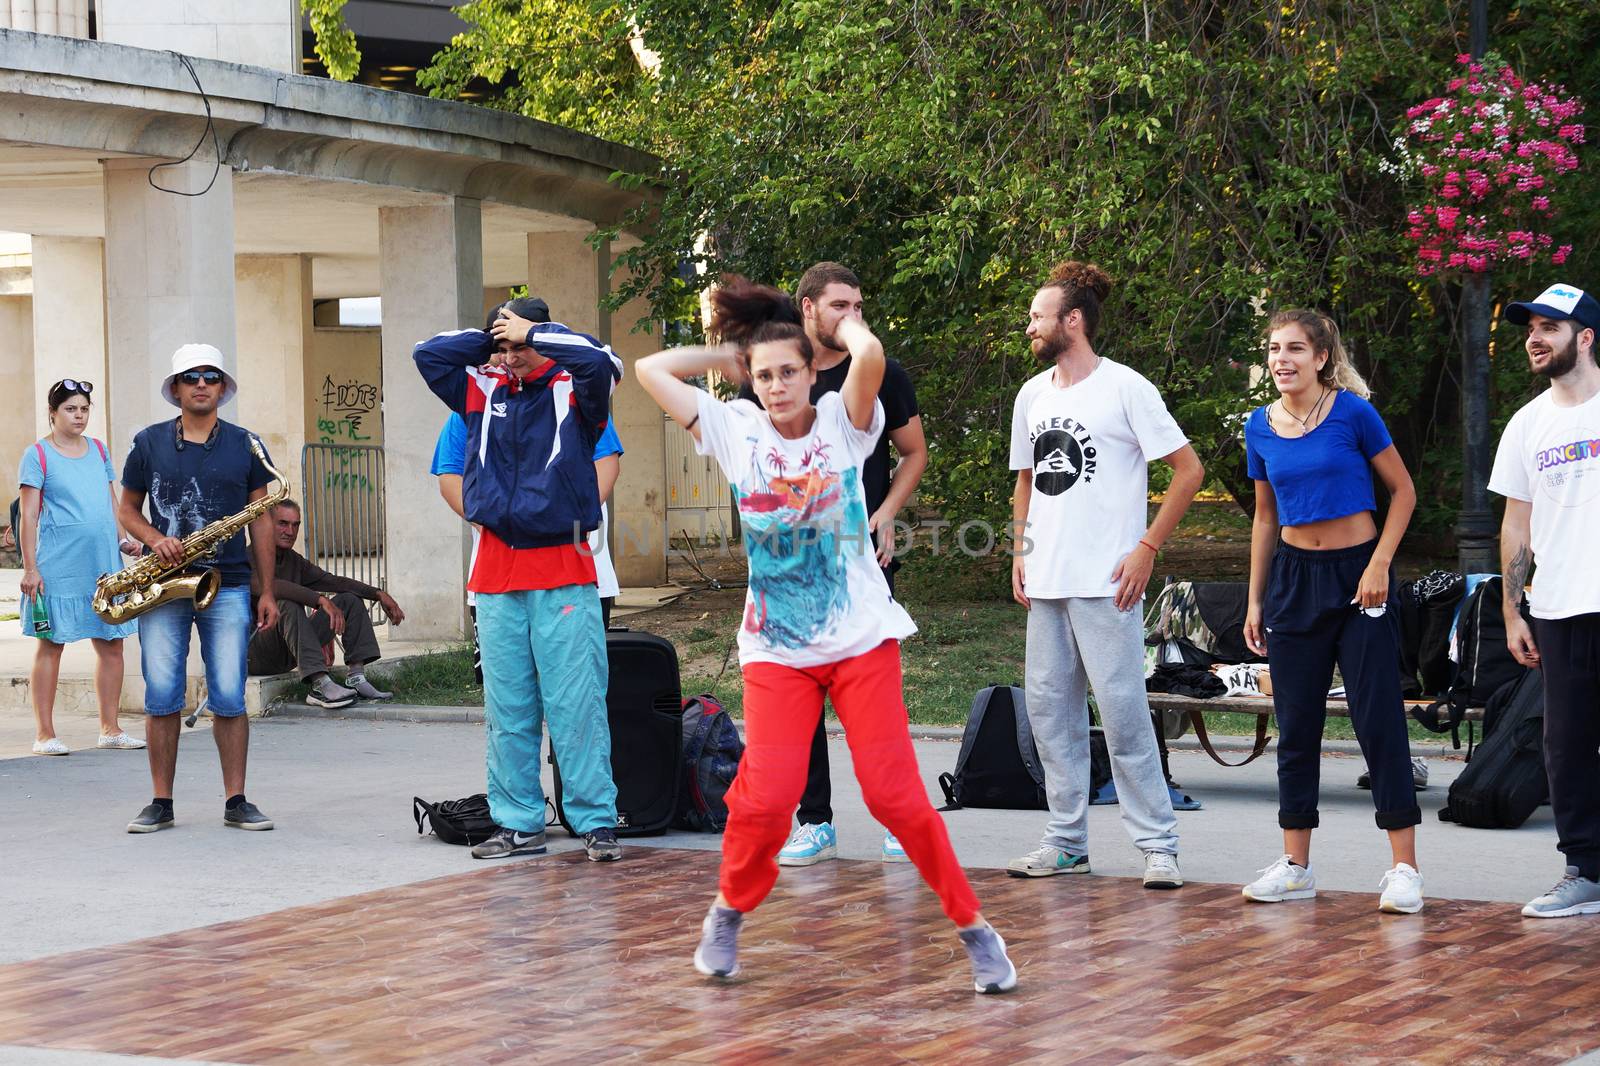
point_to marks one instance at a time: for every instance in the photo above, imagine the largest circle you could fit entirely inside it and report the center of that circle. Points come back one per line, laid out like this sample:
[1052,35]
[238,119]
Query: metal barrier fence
[342,500]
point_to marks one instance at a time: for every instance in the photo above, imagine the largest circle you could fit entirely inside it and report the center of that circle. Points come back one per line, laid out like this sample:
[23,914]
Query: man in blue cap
[1548,469]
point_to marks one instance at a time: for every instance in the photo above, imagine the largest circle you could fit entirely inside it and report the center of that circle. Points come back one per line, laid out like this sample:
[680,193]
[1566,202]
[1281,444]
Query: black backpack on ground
[1484,665]
[1505,780]
[462,821]
[998,765]
[644,711]
[712,749]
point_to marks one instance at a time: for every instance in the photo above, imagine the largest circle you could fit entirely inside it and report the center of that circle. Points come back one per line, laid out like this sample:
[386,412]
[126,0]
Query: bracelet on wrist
[1152,547]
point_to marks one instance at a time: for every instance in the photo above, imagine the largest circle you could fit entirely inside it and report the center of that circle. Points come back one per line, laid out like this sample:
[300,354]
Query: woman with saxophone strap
[68,536]
[195,470]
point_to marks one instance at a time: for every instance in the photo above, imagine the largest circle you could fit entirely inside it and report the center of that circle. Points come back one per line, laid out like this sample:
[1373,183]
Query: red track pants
[782,706]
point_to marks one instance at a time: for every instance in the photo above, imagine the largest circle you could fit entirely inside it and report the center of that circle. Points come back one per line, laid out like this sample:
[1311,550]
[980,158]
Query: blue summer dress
[77,540]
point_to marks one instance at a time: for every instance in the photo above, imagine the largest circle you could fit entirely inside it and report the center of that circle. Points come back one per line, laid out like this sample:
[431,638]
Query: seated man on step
[316,607]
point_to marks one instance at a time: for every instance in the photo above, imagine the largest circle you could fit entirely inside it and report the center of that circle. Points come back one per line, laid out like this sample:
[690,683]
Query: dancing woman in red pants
[819,618]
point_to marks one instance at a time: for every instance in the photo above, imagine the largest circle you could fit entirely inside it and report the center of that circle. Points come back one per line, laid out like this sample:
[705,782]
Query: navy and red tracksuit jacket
[530,443]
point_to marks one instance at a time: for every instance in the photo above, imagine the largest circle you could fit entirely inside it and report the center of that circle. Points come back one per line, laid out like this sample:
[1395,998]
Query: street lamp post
[1475,532]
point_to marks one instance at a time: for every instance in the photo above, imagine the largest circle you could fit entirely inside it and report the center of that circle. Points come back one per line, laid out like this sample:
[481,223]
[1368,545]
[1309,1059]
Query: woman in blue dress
[69,537]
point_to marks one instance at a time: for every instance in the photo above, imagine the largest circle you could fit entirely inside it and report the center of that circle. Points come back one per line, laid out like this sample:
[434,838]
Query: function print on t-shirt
[1088,447]
[1550,457]
[815,594]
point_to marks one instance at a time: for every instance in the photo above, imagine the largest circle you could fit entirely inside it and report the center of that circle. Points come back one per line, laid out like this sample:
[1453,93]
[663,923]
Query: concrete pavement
[340,792]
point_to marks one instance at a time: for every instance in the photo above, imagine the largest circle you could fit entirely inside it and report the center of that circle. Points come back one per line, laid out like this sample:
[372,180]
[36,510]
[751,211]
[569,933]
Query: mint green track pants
[544,660]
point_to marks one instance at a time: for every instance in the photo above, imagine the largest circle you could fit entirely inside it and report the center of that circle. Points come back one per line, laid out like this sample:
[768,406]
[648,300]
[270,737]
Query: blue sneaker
[892,851]
[809,845]
[718,953]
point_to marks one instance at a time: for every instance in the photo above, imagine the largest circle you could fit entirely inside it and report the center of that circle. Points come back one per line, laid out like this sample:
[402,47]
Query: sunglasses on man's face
[195,377]
[70,385]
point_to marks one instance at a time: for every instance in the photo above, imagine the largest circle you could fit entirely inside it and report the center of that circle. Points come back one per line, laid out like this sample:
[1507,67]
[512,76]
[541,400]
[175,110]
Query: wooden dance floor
[555,959]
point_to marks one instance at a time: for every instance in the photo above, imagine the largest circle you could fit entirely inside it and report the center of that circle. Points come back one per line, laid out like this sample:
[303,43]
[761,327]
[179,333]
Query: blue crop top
[1325,474]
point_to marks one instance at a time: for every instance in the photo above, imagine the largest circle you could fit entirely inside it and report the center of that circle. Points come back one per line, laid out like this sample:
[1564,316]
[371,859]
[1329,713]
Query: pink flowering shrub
[1487,154]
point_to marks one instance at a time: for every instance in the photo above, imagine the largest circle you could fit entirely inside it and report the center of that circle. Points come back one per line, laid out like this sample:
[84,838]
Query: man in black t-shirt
[194,470]
[829,293]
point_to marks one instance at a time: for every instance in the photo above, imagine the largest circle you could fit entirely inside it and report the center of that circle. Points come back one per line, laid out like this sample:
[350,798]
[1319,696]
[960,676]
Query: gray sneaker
[1161,870]
[326,692]
[359,684]
[1046,860]
[718,953]
[991,969]
[1569,896]
[505,842]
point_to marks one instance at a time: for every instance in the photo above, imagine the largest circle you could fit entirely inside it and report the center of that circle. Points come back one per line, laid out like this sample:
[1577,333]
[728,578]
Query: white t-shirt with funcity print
[816,594]
[1089,447]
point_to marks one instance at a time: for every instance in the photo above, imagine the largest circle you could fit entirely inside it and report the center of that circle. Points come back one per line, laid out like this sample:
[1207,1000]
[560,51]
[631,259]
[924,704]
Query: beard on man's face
[1046,348]
[1560,362]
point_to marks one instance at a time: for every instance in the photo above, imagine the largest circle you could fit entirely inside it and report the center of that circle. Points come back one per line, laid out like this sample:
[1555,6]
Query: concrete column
[69,323]
[569,275]
[639,502]
[274,334]
[16,381]
[66,18]
[169,282]
[430,276]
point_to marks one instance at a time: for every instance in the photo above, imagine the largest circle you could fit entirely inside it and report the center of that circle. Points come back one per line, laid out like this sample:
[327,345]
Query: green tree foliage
[335,43]
[1219,159]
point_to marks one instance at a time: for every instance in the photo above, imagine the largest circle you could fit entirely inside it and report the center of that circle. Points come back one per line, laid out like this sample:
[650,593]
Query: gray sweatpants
[1075,645]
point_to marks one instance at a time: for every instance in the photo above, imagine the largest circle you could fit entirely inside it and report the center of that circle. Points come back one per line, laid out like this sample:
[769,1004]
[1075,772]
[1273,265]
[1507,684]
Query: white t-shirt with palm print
[816,593]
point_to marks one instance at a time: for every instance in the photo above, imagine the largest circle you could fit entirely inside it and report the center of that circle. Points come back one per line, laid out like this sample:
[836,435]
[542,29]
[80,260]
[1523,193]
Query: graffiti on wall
[346,415]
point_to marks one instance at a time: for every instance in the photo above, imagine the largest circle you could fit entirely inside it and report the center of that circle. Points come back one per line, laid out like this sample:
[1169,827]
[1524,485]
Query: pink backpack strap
[103,456]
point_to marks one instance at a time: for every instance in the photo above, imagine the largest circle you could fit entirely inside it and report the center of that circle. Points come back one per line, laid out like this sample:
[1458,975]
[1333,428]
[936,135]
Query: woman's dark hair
[60,393]
[529,307]
[745,314]
[1084,287]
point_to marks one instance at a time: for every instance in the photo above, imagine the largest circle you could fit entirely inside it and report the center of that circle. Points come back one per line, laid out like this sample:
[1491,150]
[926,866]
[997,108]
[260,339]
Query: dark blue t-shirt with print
[187,486]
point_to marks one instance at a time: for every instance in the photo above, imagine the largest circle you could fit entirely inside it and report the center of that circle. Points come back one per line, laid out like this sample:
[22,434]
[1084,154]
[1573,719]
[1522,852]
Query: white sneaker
[1161,870]
[119,740]
[809,845]
[1402,890]
[1280,881]
[53,746]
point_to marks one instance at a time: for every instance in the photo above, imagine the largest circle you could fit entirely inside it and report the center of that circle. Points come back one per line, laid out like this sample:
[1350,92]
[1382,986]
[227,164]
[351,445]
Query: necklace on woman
[1305,423]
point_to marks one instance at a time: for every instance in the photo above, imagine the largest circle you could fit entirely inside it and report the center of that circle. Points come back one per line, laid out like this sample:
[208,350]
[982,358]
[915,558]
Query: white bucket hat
[193,357]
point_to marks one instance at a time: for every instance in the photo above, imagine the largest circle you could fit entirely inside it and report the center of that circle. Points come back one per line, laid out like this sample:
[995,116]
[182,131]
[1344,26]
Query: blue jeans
[225,629]
[544,659]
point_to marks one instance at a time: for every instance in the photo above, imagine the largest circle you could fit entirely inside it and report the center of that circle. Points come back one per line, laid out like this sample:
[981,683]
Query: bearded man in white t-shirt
[1548,469]
[1083,433]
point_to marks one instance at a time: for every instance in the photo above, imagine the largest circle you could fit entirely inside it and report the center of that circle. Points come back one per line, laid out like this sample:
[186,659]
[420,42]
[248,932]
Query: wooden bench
[1260,706]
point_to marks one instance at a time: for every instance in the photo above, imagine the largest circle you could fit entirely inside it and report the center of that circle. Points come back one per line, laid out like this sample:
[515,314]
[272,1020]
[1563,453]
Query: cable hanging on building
[210,130]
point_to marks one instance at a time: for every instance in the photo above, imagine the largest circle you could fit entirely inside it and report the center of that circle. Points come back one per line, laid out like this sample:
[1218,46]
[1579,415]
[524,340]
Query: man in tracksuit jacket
[532,421]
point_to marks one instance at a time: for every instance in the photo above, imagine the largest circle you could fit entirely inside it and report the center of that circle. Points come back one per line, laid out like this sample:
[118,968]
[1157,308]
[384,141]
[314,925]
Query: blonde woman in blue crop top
[1321,594]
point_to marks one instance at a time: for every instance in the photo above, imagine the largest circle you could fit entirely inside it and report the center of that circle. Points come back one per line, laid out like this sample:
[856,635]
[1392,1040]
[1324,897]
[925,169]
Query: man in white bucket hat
[194,470]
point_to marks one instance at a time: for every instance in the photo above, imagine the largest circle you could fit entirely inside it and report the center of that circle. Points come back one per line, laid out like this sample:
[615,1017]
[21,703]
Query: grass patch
[1336,728]
[10,616]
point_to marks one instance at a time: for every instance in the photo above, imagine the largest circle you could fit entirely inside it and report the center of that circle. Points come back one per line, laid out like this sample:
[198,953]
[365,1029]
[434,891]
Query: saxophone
[148,582]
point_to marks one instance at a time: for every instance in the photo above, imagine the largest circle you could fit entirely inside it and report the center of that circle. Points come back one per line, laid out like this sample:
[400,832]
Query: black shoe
[245,816]
[151,819]
[506,842]
[601,845]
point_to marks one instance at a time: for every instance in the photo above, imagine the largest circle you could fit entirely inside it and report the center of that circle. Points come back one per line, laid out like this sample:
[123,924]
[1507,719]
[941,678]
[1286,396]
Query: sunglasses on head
[195,377]
[69,385]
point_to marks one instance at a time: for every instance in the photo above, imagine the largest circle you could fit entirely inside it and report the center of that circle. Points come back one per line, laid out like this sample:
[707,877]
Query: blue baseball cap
[1559,301]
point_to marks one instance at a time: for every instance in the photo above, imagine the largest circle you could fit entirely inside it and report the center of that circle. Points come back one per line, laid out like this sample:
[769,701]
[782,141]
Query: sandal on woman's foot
[119,740]
[53,746]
